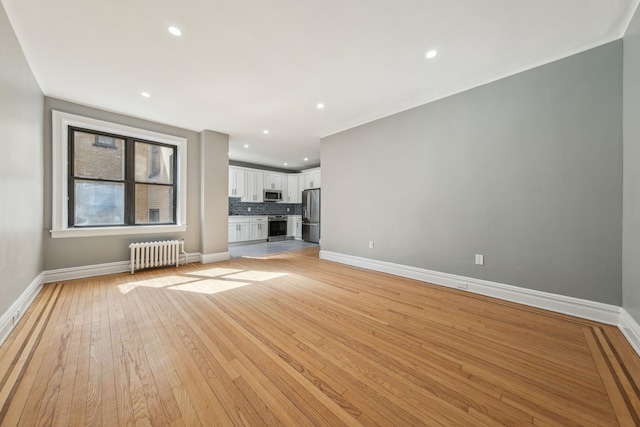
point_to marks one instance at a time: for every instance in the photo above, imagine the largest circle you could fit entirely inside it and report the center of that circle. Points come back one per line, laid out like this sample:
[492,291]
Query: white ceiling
[242,66]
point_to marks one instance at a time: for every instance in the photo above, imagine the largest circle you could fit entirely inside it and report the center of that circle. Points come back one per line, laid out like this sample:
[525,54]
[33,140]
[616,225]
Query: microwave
[272,195]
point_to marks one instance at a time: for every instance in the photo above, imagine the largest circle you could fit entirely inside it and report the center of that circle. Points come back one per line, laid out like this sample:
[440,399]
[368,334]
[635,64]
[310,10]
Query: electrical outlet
[479,259]
[249,209]
[461,285]
[287,209]
[370,244]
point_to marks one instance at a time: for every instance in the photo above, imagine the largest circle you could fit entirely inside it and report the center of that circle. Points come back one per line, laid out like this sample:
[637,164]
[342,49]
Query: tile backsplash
[236,207]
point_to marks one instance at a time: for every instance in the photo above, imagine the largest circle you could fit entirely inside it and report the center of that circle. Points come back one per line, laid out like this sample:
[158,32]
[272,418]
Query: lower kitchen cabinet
[238,232]
[294,226]
[259,229]
[247,228]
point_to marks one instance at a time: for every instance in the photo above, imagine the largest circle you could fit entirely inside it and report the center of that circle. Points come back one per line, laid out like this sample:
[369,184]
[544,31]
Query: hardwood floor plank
[21,370]
[210,411]
[73,324]
[623,412]
[289,339]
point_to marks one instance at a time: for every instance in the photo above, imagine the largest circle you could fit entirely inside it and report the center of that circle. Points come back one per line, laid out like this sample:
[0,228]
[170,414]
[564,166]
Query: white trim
[20,306]
[117,231]
[599,312]
[192,257]
[60,124]
[215,257]
[630,329]
[83,271]
[80,272]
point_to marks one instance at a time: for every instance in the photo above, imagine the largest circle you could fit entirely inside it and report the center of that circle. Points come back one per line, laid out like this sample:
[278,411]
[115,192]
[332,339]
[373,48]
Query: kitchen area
[271,211]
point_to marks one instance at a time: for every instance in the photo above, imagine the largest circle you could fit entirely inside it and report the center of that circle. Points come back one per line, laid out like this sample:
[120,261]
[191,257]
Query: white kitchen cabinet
[293,189]
[273,181]
[249,184]
[259,228]
[316,179]
[236,182]
[294,226]
[255,186]
[298,230]
[238,231]
[246,228]
[291,226]
[311,179]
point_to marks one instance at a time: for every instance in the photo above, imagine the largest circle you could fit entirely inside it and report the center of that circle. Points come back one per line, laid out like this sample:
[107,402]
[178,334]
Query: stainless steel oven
[277,227]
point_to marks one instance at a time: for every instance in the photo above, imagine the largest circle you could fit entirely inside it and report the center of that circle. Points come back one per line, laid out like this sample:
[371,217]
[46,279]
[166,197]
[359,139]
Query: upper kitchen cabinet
[273,181]
[293,193]
[311,179]
[249,184]
[255,186]
[236,182]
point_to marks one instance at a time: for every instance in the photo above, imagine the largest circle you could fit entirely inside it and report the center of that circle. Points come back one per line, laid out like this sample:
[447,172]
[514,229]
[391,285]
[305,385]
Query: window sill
[116,231]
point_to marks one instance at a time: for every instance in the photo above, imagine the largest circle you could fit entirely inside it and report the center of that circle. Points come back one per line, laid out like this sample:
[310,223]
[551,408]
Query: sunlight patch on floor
[255,276]
[207,281]
[209,286]
[163,282]
[214,272]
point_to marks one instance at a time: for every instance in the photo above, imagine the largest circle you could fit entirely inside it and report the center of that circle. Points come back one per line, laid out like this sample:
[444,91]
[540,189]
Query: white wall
[21,177]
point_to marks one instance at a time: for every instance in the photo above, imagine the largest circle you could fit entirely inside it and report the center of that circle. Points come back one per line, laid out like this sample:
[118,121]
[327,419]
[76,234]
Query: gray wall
[214,192]
[73,252]
[631,213]
[20,169]
[526,171]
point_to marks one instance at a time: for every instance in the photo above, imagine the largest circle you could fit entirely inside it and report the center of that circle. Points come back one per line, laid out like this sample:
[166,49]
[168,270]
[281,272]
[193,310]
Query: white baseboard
[11,317]
[599,312]
[630,329]
[80,272]
[83,271]
[215,257]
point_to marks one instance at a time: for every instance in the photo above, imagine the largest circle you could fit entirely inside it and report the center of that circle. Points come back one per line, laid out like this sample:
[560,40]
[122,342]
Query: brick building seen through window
[116,180]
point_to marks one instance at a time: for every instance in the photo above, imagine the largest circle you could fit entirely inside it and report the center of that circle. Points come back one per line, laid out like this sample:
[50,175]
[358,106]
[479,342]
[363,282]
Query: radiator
[156,254]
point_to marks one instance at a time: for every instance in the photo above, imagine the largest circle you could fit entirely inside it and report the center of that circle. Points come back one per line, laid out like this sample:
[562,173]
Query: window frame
[61,124]
[129,180]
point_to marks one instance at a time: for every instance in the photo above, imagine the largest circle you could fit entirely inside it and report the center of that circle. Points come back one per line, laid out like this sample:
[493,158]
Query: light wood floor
[292,340]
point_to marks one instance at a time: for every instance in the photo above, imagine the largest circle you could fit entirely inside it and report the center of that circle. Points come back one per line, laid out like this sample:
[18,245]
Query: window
[105,141]
[119,183]
[110,179]
[154,215]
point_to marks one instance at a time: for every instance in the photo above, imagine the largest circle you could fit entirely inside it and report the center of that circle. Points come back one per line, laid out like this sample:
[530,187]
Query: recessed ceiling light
[246,145]
[146,94]
[320,106]
[285,164]
[306,160]
[266,131]
[432,54]
[175,31]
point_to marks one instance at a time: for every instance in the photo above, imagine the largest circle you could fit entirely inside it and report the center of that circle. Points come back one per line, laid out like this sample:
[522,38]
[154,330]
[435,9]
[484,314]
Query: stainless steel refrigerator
[311,215]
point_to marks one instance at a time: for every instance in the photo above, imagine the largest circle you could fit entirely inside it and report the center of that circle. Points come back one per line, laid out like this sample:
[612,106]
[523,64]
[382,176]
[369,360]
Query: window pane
[99,203]
[98,156]
[154,204]
[154,163]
